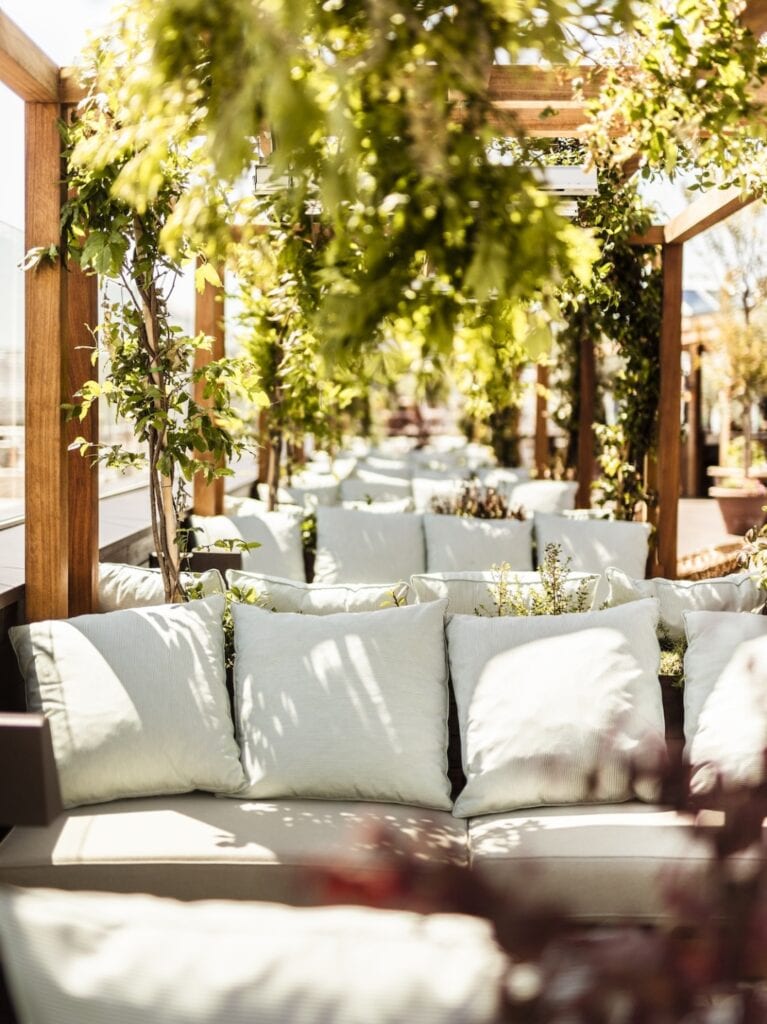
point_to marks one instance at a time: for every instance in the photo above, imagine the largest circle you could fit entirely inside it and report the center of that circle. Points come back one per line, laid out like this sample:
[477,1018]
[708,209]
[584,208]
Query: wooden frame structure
[61,539]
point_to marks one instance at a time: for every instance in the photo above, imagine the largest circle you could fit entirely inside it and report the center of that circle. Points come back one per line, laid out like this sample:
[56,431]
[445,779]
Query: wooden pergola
[62,512]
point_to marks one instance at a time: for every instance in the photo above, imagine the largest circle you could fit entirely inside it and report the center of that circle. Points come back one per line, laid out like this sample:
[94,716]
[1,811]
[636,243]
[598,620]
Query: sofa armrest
[29,782]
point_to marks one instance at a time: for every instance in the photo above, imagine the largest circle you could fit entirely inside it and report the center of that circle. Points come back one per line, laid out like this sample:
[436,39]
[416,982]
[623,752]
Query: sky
[62,38]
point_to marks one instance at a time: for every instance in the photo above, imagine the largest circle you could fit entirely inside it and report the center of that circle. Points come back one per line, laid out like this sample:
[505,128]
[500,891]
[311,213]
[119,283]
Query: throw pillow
[595,544]
[552,709]
[280,595]
[382,489]
[344,707]
[462,543]
[552,496]
[730,740]
[81,958]
[355,546]
[475,592]
[136,699]
[279,534]
[134,586]
[712,639]
[734,593]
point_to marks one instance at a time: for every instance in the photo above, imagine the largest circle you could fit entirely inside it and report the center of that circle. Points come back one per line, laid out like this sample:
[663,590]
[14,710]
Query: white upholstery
[349,706]
[278,533]
[278,595]
[597,863]
[460,543]
[555,709]
[551,496]
[355,546]
[734,593]
[713,638]
[375,490]
[200,847]
[136,700]
[86,958]
[133,586]
[476,592]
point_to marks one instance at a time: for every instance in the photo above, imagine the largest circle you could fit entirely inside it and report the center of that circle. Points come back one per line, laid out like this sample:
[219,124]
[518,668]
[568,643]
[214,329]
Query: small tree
[150,375]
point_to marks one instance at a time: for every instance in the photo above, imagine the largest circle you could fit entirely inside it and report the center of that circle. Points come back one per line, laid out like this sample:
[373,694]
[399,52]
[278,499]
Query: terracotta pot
[741,509]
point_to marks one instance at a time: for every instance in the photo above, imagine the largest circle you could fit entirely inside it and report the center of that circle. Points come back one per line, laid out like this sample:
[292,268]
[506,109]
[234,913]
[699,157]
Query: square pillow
[127,958]
[382,489]
[393,505]
[595,544]
[306,489]
[729,744]
[136,700]
[278,595]
[356,546]
[134,586]
[552,708]
[734,593]
[712,639]
[279,534]
[460,543]
[343,707]
[475,592]
[552,496]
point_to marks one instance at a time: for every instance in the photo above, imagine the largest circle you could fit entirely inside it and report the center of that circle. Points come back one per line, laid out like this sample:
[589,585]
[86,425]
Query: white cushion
[712,639]
[428,487]
[731,738]
[83,958]
[306,489]
[133,586]
[734,593]
[503,478]
[279,534]
[550,496]
[551,708]
[383,489]
[475,592]
[595,544]
[278,595]
[463,542]
[197,846]
[356,546]
[343,706]
[136,699]
[392,505]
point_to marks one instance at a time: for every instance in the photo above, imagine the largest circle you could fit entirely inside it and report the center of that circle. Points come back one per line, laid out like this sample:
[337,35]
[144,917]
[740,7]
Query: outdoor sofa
[341,758]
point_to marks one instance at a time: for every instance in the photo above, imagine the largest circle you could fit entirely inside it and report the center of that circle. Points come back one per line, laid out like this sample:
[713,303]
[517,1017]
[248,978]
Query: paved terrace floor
[701,526]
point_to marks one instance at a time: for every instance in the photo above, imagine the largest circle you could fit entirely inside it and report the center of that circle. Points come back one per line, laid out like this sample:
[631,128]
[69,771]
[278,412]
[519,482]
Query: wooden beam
[515,83]
[47,510]
[24,68]
[654,235]
[711,208]
[755,16]
[588,387]
[209,320]
[70,89]
[669,413]
[542,420]
[83,476]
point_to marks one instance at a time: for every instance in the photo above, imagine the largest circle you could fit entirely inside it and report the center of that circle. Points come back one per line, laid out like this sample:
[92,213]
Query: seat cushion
[199,847]
[599,862]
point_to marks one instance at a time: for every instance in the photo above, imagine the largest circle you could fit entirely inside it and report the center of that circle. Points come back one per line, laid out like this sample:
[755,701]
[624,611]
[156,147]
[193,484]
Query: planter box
[741,509]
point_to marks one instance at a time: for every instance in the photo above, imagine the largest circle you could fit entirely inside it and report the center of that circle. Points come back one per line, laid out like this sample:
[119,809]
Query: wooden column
[209,319]
[83,476]
[588,386]
[47,508]
[693,481]
[542,421]
[264,447]
[669,430]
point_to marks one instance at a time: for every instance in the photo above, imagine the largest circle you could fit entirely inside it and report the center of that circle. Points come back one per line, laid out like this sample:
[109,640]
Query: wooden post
[47,509]
[669,428]
[588,384]
[693,462]
[542,421]
[83,476]
[264,447]
[209,319]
